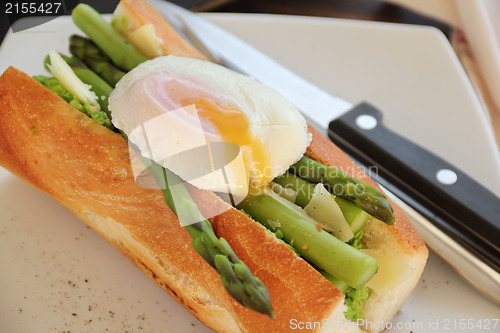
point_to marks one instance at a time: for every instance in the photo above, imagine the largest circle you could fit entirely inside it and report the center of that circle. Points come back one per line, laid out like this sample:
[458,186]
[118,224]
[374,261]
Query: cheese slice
[145,40]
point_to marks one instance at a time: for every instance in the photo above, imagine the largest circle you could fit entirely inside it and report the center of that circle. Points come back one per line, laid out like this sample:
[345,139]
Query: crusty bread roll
[86,167]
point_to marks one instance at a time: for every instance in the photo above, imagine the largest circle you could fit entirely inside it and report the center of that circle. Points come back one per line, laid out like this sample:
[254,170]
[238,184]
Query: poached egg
[214,128]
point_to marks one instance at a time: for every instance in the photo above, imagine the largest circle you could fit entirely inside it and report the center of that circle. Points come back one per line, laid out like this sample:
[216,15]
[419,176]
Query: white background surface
[58,275]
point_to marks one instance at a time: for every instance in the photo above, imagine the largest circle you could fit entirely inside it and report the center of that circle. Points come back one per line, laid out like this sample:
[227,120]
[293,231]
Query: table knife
[456,216]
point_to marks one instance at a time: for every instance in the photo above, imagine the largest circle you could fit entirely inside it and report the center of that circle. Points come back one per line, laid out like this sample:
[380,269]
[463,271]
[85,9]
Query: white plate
[57,275]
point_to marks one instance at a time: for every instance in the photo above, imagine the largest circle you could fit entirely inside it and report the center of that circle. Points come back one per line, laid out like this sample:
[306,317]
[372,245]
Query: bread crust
[86,168]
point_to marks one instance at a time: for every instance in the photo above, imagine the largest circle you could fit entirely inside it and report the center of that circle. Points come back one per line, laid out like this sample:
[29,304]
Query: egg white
[272,119]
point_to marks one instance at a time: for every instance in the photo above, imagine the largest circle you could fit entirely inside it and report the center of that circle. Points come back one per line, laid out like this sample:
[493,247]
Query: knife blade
[425,183]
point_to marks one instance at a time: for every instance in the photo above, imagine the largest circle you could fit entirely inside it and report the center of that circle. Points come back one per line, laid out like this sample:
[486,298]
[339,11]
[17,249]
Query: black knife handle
[461,207]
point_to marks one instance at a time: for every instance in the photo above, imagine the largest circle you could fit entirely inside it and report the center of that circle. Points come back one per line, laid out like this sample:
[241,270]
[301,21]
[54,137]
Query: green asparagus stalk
[315,245]
[354,215]
[122,53]
[88,52]
[303,188]
[342,185]
[236,277]
[340,285]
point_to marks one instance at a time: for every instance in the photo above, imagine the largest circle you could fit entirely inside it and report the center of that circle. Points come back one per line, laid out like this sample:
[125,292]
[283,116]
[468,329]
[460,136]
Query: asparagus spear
[363,195]
[236,277]
[303,188]
[317,246]
[340,285]
[88,52]
[354,215]
[121,52]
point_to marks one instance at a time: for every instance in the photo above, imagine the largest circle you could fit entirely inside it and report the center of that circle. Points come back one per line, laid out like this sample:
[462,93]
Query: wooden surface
[373,10]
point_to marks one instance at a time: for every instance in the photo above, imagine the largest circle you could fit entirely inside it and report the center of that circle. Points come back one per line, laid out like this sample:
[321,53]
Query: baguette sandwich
[83,161]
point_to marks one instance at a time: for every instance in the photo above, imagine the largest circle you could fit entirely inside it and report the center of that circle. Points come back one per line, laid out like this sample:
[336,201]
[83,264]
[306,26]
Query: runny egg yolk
[232,126]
